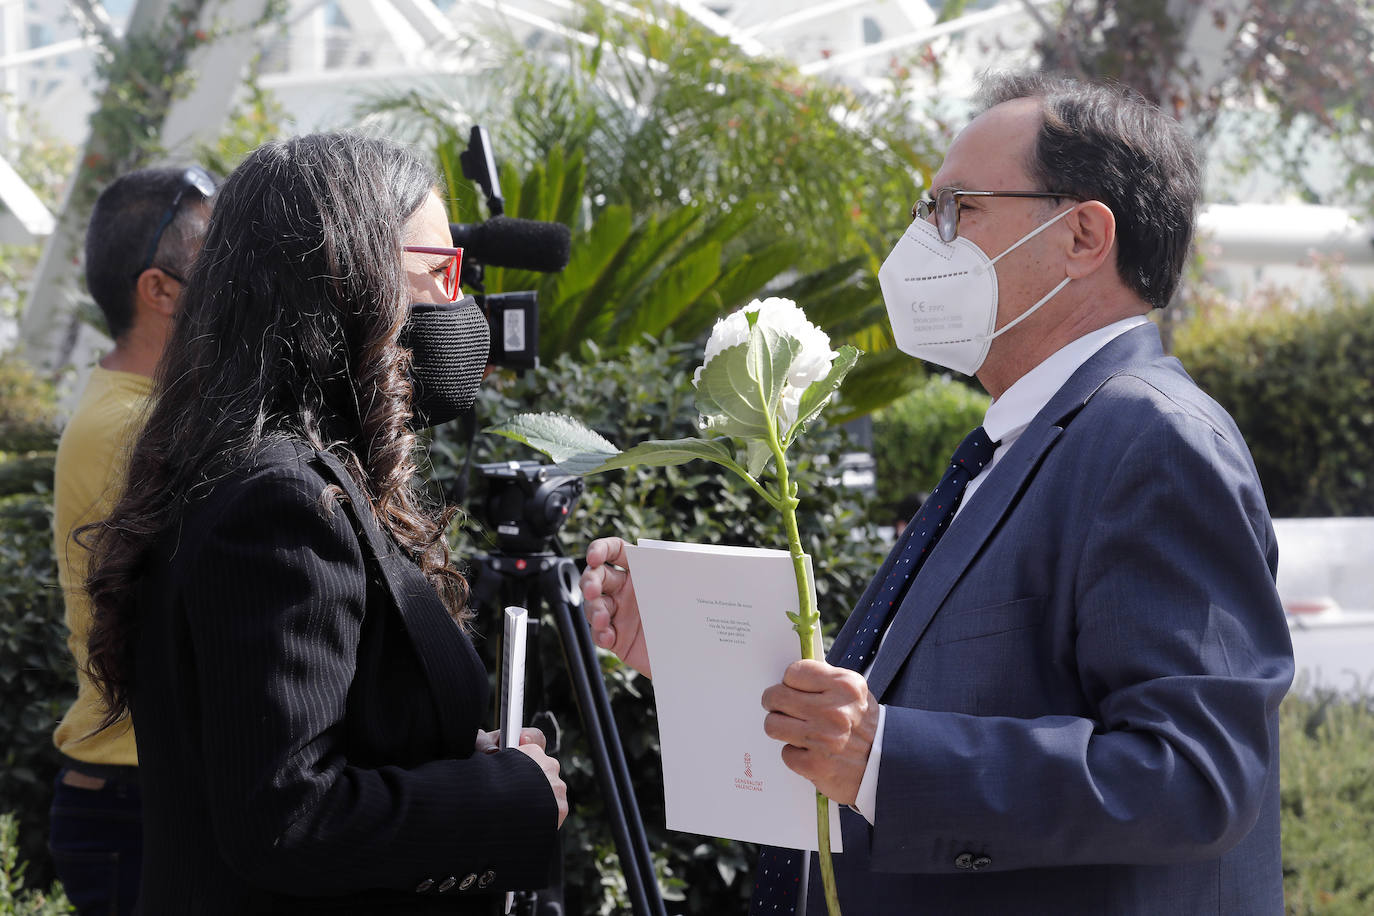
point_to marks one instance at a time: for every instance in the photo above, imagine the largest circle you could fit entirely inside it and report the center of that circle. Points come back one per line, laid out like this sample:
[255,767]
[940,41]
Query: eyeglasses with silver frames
[945,206]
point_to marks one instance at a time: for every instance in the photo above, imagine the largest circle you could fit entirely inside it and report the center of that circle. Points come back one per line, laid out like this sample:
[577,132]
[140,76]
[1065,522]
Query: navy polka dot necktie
[917,541]
[778,880]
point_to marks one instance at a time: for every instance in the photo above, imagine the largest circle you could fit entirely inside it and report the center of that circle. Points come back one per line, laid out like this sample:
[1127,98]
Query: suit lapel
[956,550]
[972,527]
[436,641]
[432,633]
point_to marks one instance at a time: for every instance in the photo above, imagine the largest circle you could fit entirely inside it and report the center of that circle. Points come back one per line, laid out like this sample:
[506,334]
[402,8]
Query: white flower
[783,315]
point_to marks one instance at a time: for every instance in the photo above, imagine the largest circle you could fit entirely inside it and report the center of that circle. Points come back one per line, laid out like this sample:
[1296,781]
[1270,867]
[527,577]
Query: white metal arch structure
[49,329]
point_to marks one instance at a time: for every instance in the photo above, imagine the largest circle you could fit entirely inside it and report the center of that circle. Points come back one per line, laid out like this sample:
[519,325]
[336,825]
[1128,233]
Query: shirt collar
[1009,415]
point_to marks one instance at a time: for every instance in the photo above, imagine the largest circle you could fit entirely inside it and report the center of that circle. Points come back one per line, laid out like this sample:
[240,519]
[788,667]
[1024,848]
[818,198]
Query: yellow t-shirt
[92,459]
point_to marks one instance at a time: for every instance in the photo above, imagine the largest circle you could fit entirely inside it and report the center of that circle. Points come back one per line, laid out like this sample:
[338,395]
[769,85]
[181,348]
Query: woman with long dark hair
[275,606]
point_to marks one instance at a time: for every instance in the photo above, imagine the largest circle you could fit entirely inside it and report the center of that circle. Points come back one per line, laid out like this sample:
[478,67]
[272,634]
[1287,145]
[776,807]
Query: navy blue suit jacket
[1082,682]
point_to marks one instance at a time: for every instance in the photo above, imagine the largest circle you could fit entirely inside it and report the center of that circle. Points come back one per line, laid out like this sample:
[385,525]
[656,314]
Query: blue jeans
[96,839]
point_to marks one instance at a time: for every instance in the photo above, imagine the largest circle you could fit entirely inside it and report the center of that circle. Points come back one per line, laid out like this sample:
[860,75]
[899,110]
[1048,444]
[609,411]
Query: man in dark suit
[1071,706]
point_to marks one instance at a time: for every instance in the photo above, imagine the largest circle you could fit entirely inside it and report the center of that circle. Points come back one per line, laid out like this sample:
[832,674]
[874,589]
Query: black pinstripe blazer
[306,715]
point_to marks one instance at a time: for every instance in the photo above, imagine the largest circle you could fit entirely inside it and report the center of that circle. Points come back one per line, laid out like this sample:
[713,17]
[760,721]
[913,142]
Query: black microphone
[524,244]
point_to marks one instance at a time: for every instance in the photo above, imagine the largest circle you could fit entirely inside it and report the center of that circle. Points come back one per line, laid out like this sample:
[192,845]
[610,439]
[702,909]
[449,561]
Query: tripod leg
[559,589]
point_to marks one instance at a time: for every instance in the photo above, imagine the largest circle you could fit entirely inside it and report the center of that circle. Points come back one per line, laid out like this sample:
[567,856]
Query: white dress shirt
[1005,421]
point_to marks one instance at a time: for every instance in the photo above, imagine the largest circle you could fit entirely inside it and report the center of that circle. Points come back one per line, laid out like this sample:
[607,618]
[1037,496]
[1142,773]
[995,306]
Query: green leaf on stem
[770,357]
[565,440]
[727,398]
[741,386]
[757,456]
[817,394]
[580,450]
[667,452]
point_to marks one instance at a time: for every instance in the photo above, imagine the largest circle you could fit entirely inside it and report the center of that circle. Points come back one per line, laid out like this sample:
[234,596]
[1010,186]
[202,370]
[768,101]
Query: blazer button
[963,860]
[981,862]
[467,882]
[447,884]
[488,876]
[424,886]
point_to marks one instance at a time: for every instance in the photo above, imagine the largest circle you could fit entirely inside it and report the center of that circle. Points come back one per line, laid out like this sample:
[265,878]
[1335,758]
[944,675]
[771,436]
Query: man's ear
[157,291]
[1094,238]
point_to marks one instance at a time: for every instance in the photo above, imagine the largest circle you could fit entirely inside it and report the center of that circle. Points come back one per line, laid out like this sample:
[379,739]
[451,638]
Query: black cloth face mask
[448,343]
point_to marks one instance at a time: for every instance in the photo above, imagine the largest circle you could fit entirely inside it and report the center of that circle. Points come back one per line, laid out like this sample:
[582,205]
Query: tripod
[551,580]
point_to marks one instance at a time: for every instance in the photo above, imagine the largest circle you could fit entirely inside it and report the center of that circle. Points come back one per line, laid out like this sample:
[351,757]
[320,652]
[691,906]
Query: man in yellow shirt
[144,233]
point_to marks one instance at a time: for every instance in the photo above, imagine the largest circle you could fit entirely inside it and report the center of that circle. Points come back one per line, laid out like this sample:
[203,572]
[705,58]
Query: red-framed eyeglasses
[451,269]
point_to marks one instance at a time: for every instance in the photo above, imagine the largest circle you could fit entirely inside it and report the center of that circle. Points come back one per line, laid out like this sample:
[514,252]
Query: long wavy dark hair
[287,330]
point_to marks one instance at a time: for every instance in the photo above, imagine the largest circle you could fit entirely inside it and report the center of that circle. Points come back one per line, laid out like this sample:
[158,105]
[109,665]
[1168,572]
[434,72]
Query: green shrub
[35,671]
[15,900]
[914,436]
[28,417]
[36,678]
[1300,384]
[648,395]
[29,473]
[1327,805]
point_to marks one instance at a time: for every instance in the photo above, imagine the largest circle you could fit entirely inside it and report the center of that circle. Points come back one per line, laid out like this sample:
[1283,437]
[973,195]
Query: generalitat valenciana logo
[747,782]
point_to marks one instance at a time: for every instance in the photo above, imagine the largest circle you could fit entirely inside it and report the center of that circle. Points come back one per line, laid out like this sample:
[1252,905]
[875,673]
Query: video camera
[500,241]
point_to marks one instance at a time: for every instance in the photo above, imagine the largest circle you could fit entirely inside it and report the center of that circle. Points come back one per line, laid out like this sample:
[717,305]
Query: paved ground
[1330,561]
[1340,657]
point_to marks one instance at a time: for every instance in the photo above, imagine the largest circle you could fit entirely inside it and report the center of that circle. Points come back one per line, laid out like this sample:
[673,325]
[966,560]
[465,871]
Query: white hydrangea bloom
[783,315]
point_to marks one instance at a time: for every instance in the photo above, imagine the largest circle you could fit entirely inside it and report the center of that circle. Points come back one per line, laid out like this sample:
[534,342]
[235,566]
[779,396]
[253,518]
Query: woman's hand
[611,606]
[550,767]
[531,745]
[490,742]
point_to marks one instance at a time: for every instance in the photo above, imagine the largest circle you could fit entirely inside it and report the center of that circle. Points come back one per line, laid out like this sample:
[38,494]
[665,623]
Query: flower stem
[805,625]
[832,895]
[808,616]
[773,499]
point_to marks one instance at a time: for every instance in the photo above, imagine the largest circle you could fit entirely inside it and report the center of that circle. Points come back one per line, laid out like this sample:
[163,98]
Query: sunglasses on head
[194,178]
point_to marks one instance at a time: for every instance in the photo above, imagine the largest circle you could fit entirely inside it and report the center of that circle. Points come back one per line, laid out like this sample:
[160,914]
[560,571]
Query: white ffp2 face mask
[941,296]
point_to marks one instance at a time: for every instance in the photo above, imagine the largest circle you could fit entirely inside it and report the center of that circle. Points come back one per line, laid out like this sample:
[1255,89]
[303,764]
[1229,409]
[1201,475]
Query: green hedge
[1300,383]
[648,395]
[1327,803]
[36,677]
[18,895]
[28,416]
[914,437]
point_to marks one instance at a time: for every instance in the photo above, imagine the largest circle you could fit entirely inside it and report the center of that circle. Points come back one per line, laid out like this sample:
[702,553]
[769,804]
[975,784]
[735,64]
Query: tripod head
[527,502]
